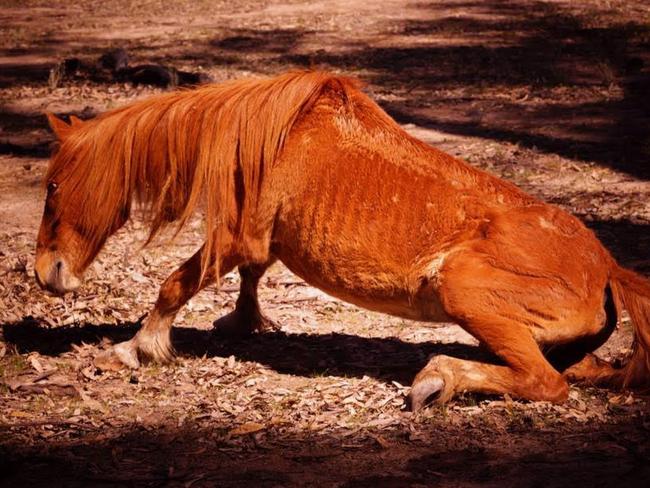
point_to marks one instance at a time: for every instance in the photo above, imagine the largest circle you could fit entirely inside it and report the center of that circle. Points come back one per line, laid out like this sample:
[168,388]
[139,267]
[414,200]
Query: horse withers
[306,169]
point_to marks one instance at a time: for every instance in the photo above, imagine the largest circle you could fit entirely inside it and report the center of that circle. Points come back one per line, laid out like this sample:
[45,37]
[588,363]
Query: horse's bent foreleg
[247,316]
[153,340]
[526,374]
[500,308]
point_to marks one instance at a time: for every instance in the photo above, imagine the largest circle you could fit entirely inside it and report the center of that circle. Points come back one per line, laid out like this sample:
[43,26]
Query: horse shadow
[337,354]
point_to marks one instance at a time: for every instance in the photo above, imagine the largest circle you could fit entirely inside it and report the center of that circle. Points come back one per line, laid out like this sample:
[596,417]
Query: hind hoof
[426,391]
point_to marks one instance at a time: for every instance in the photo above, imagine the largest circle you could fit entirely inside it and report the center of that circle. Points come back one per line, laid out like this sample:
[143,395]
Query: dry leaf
[20,414]
[247,428]
[381,441]
[36,364]
[92,403]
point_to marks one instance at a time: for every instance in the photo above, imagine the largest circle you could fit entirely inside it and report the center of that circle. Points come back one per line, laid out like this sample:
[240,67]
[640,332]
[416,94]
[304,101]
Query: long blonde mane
[212,145]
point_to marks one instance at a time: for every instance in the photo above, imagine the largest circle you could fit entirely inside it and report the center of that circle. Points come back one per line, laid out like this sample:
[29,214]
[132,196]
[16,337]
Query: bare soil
[552,95]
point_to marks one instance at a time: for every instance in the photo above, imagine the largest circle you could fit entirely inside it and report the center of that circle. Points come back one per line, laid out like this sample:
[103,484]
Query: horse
[305,168]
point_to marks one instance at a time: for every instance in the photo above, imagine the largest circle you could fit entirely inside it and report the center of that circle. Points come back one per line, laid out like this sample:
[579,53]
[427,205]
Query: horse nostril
[59,265]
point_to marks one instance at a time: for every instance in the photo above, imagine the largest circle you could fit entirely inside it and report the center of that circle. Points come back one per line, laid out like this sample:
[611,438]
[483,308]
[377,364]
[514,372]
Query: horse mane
[212,145]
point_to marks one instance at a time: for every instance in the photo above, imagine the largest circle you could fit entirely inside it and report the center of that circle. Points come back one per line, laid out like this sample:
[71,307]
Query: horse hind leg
[585,367]
[575,359]
[592,370]
[247,317]
[153,340]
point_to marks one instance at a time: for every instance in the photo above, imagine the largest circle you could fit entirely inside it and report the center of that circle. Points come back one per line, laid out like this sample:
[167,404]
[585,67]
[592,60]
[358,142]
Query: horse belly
[366,285]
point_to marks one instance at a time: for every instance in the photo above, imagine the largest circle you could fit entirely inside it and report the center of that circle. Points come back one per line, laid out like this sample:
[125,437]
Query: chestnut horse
[305,168]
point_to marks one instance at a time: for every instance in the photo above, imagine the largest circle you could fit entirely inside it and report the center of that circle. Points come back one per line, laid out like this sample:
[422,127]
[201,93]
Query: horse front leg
[247,317]
[497,307]
[153,340]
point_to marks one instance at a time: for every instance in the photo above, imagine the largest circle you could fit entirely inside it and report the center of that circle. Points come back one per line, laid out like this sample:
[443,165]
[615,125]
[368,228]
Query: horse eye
[51,187]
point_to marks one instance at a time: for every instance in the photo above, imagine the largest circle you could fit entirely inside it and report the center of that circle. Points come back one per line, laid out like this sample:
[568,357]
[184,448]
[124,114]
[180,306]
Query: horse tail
[632,293]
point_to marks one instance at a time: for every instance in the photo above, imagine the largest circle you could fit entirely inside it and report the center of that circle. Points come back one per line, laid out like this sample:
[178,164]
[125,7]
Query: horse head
[70,234]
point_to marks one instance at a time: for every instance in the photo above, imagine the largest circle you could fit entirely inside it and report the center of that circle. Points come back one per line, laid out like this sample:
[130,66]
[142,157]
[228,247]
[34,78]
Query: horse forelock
[176,151]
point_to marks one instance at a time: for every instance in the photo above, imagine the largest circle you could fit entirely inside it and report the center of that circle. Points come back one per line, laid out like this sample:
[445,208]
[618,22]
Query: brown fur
[305,168]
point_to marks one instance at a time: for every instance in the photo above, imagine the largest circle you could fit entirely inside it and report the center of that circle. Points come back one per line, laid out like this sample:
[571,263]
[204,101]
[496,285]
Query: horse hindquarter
[516,286]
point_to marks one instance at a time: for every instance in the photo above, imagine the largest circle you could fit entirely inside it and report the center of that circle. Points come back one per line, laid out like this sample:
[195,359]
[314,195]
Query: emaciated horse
[305,168]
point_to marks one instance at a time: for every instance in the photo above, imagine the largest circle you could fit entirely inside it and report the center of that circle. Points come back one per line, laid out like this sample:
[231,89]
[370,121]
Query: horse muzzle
[53,274]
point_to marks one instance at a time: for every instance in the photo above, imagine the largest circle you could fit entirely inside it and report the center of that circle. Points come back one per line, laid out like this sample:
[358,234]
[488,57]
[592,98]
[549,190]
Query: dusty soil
[551,95]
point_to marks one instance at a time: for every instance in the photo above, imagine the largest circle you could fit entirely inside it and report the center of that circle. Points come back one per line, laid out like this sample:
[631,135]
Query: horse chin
[66,284]
[54,275]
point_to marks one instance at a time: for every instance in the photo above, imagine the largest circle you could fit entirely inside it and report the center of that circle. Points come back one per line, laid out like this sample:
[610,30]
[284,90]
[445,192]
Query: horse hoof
[425,391]
[235,325]
[118,357]
[231,326]
[267,325]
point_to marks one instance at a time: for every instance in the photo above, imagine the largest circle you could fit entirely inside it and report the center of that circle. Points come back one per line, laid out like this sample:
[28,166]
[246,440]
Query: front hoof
[120,356]
[425,391]
[240,325]
[232,325]
[266,325]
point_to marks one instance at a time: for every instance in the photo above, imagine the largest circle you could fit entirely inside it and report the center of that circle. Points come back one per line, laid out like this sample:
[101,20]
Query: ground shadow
[628,242]
[17,136]
[336,354]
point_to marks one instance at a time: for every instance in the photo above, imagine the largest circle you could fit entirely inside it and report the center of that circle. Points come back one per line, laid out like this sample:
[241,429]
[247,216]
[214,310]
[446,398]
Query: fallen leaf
[36,364]
[19,414]
[381,441]
[247,428]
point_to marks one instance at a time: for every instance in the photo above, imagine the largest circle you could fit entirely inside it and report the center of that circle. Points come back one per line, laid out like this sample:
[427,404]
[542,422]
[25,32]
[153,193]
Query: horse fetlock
[155,346]
[549,387]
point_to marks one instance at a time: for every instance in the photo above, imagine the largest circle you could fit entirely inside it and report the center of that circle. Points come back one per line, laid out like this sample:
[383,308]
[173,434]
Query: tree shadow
[17,136]
[452,67]
[454,74]
[600,454]
[627,241]
[269,41]
[552,53]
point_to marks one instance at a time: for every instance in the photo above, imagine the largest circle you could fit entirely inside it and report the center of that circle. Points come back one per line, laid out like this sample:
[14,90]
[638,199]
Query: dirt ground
[552,95]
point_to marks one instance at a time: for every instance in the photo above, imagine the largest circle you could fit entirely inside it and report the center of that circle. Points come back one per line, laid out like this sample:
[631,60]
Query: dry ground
[552,95]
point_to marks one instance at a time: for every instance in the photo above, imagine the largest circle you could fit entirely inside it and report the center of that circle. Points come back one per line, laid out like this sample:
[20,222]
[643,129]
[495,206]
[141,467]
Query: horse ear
[75,121]
[58,126]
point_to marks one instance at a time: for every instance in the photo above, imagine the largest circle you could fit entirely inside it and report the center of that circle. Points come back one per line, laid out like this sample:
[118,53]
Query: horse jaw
[54,274]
